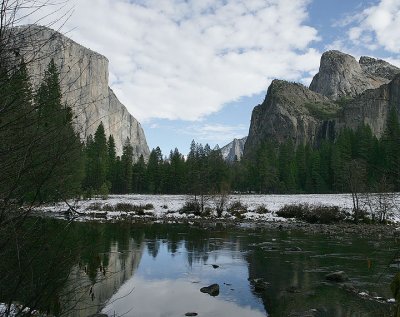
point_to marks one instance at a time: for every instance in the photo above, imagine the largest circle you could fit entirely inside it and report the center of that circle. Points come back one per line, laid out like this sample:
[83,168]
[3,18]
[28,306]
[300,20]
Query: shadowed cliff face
[289,112]
[344,94]
[84,81]
[371,108]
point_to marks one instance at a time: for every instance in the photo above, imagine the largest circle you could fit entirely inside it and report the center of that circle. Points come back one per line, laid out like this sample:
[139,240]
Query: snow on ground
[18,310]
[167,206]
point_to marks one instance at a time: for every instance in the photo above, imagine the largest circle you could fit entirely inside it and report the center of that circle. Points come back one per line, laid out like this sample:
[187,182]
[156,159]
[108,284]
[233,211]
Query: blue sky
[195,69]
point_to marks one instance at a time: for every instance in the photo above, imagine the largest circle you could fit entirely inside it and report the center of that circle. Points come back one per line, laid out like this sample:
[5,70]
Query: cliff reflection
[158,270]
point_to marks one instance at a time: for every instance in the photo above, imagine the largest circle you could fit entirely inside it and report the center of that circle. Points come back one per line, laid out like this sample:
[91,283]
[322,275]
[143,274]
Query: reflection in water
[173,298]
[169,285]
[90,291]
[158,270]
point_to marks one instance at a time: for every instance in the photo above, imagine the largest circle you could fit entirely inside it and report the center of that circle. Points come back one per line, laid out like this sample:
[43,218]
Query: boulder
[212,290]
[338,277]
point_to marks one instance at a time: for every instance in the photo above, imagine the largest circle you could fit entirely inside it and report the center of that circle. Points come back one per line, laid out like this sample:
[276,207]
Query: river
[157,269]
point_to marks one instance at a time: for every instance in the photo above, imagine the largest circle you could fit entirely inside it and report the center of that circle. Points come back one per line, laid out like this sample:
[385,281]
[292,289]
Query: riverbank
[259,211]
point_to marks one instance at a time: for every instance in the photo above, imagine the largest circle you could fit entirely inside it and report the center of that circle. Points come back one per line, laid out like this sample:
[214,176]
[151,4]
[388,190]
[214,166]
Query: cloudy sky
[194,69]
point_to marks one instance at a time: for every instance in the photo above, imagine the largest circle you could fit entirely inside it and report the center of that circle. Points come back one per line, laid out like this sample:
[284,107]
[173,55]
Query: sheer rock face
[233,150]
[371,108]
[290,111]
[84,83]
[340,75]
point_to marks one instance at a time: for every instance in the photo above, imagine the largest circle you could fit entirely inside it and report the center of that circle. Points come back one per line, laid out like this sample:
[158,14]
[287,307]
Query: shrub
[108,208]
[325,214]
[148,207]
[237,209]
[103,191]
[292,211]
[94,206]
[125,207]
[191,206]
[262,210]
[312,214]
[138,209]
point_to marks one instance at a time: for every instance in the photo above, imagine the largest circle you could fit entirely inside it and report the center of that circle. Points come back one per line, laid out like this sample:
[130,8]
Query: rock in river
[338,277]
[212,290]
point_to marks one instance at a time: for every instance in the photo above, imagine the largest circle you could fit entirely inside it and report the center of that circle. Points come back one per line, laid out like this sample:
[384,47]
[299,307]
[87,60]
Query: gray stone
[378,67]
[290,111]
[260,285]
[371,107]
[340,75]
[338,277]
[233,150]
[212,290]
[84,82]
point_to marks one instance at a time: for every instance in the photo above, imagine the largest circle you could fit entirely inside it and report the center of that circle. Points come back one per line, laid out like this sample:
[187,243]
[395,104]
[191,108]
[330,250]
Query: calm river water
[155,270]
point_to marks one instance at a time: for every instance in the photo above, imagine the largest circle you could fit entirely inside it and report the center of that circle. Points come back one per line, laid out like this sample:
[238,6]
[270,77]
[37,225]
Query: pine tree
[111,160]
[139,176]
[127,167]
[391,141]
[59,158]
[154,171]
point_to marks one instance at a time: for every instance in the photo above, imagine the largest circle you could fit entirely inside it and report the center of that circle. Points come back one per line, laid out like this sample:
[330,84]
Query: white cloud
[378,27]
[179,59]
[221,134]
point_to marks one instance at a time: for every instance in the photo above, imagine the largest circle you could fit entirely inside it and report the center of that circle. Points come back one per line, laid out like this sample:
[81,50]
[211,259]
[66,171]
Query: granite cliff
[290,111]
[340,76]
[345,93]
[84,81]
[234,150]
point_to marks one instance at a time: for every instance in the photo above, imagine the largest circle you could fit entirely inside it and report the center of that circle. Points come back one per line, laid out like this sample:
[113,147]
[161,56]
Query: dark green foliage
[127,167]
[41,154]
[191,206]
[356,161]
[97,162]
[323,111]
[391,147]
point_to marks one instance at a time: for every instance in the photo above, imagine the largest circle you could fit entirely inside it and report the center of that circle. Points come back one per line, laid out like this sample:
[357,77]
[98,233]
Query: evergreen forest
[59,166]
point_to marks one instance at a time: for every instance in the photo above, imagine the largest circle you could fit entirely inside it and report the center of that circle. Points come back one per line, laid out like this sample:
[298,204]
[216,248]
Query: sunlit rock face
[234,150]
[340,75]
[84,80]
[378,67]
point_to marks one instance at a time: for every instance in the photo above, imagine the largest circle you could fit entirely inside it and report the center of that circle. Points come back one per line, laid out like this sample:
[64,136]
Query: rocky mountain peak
[340,75]
[378,67]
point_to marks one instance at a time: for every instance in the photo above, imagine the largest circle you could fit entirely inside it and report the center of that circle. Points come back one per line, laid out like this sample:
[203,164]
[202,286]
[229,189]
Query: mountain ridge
[344,94]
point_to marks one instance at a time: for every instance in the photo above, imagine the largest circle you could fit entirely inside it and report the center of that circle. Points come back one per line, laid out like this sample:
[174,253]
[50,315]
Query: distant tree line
[356,161]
